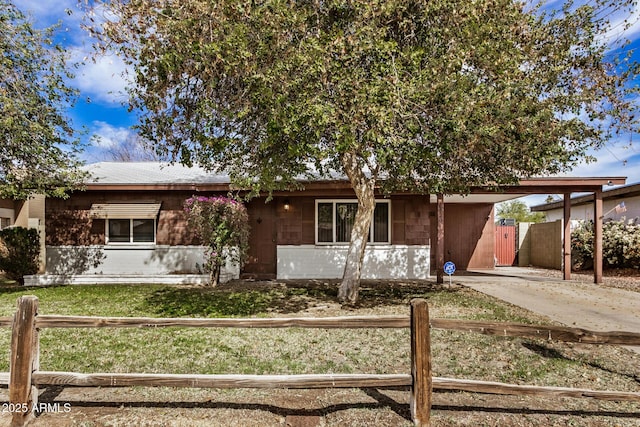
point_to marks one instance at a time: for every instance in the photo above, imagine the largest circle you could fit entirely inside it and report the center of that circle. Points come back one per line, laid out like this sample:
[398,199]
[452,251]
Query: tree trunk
[364,189]
[214,275]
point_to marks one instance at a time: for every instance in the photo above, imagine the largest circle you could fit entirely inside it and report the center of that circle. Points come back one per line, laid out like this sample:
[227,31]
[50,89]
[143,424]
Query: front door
[261,260]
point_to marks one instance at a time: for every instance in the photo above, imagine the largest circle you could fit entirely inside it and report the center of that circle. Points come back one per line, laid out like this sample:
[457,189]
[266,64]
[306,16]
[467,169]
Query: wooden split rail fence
[25,375]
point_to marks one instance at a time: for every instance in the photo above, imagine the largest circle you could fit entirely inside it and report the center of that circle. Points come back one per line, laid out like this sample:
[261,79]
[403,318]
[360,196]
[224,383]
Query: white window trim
[333,215]
[130,242]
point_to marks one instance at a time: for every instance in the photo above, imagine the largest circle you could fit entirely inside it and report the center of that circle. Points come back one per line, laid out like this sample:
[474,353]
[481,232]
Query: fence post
[24,360]
[420,402]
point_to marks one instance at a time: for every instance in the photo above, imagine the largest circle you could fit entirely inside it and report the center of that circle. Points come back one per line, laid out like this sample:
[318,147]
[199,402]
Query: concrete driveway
[572,303]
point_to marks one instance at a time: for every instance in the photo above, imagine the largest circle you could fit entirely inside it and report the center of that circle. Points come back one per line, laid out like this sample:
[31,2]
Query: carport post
[439,238]
[566,263]
[597,236]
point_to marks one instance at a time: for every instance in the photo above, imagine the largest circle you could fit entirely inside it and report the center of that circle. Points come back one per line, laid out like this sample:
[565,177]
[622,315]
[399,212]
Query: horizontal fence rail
[25,375]
[492,387]
[222,381]
[345,322]
[47,378]
[555,333]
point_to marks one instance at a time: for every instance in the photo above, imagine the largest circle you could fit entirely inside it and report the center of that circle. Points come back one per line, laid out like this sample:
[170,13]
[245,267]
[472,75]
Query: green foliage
[19,252]
[221,224]
[582,246]
[620,244]
[434,96]
[39,147]
[519,211]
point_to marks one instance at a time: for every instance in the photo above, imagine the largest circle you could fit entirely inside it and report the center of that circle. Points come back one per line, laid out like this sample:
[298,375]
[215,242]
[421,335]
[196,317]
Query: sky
[102,111]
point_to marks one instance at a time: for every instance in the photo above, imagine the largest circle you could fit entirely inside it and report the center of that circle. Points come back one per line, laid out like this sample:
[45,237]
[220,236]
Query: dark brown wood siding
[468,235]
[7,204]
[297,225]
[409,220]
[68,222]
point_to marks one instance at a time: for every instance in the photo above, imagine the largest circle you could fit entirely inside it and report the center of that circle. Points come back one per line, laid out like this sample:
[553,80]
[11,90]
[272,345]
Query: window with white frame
[128,222]
[335,220]
[131,230]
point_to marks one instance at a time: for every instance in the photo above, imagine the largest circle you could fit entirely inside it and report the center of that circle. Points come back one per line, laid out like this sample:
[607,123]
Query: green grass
[298,351]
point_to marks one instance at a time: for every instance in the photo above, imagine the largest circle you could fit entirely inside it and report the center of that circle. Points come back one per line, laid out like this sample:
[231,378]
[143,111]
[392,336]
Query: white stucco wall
[129,260]
[71,264]
[327,262]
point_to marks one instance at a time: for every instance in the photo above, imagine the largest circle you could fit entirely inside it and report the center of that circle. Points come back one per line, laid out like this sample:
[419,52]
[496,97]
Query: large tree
[433,96]
[38,145]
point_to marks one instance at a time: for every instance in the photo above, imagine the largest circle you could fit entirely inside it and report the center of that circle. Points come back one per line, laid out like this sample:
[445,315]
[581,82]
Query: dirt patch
[622,278]
[311,408]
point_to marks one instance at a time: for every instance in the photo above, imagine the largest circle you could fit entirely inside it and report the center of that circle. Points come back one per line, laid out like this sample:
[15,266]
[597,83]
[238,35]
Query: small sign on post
[449,268]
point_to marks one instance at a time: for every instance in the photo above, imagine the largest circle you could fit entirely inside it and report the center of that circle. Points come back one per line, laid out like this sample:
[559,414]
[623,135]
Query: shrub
[582,246]
[19,252]
[620,244]
[221,224]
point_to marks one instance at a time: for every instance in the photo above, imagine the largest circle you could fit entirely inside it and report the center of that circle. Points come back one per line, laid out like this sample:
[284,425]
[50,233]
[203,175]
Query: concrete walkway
[572,303]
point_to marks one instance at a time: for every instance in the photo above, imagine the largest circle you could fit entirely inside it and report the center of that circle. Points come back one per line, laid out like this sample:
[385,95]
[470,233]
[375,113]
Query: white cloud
[46,10]
[109,136]
[46,13]
[616,158]
[101,78]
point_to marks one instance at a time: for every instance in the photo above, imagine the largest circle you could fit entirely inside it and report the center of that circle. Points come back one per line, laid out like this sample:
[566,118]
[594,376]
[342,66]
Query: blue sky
[100,110]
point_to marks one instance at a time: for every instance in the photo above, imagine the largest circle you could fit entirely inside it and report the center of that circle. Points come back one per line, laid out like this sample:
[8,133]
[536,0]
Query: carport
[565,186]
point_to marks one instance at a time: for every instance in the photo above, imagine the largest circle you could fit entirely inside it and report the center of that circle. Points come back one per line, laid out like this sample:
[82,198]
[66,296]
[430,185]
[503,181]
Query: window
[335,219]
[128,222]
[131,230]
[5,222]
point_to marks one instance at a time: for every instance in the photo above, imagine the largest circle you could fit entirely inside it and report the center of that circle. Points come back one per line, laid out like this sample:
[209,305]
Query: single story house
[128,225]
[618,203]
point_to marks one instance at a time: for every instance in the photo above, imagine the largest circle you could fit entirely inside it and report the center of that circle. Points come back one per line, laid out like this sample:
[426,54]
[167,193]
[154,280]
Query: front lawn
[298,351]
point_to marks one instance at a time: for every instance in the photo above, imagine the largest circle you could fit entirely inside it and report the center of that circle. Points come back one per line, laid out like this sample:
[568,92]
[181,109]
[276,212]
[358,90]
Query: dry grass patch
[298,351]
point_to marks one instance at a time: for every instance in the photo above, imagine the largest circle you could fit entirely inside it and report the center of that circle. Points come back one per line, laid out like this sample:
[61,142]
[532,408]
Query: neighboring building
[7,213]
[22,213]
[129,223]
[618,203]
[25,213]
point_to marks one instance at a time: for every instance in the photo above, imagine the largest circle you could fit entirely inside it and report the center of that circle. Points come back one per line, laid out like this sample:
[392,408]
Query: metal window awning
[125,210]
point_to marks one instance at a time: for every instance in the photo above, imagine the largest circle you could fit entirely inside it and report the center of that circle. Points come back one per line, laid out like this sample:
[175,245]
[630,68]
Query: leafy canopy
[39,147]
[434,96]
